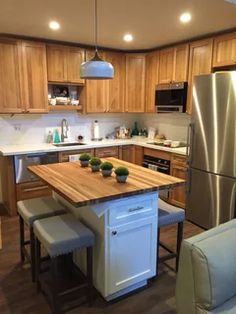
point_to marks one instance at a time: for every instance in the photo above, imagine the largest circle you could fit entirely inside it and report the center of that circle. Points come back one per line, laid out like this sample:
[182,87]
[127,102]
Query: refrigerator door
[210,198]
[213,127]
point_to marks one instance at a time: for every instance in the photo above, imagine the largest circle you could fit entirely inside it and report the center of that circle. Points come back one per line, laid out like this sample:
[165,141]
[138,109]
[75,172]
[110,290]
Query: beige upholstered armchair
[206,280]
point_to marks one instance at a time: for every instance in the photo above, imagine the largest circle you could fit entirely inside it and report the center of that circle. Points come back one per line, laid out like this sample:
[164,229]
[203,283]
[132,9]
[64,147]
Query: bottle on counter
[57,137]
[50,137]
[96,130]
[135,130]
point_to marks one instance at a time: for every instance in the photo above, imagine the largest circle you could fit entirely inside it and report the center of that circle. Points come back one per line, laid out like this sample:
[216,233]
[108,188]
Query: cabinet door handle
[135,209]
[114,233]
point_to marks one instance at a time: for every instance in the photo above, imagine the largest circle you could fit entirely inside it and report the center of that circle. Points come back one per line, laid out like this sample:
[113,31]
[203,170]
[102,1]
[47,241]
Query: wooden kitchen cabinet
[11,76]
[179,170]
[107,152]
[64,156]
[151,77]
[224,51]
[200,62]
[138,153]
[173,66]
[35,77]
[63,64]
[135,83]
[116,86]
[127,153]
[32,189]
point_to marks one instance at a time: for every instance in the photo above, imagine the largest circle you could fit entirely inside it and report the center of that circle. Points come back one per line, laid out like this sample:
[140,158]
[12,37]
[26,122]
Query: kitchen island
[122,216]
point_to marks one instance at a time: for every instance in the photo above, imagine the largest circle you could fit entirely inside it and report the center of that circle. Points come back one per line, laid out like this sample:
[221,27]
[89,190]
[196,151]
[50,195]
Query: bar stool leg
[22,239]
[158,250]
[90,275]
[37,263]
[54,274]
[179,240]
[32,253]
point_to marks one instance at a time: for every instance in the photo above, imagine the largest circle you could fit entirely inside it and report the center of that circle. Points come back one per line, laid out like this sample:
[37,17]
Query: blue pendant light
[96,68]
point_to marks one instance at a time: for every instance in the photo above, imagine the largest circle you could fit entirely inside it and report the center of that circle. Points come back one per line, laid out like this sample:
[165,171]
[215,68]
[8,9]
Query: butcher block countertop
[82,187]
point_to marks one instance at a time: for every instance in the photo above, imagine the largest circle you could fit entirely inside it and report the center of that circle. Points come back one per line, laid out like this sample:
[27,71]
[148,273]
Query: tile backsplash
[29,129]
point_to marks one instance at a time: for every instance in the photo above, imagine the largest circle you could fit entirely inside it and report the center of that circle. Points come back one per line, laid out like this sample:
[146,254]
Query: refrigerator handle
[189,181]
[189,151]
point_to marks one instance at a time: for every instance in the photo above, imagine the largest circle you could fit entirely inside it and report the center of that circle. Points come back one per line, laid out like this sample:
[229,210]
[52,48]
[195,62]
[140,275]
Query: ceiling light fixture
[185,17]
[54,25]
[96,68]
[128,37]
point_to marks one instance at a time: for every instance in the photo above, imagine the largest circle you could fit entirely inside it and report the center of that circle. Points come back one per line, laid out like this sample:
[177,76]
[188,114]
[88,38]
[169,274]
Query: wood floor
[18,294]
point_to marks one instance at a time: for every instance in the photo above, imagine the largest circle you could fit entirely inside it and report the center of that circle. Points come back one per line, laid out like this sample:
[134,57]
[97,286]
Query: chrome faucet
[64,129]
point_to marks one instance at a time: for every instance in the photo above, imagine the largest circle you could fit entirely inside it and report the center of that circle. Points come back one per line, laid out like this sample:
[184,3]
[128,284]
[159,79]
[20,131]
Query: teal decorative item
[135,130]
[57,137]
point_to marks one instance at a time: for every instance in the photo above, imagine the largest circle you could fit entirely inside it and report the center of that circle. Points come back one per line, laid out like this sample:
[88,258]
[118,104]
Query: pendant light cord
[96,25]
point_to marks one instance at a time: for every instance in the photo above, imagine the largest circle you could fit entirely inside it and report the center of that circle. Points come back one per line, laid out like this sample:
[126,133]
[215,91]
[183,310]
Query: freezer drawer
[210,198]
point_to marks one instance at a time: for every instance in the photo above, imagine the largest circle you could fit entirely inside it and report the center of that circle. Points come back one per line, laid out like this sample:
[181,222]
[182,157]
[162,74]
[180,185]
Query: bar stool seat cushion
[169,214]
[38,208]
[62,234]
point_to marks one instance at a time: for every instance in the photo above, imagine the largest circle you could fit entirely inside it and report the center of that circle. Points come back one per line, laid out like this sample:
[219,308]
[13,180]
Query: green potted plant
[106,168]
[84,160]
[121,174]
[95,163]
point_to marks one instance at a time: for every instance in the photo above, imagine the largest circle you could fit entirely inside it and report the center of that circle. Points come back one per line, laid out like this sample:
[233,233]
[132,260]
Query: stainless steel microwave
[171,97]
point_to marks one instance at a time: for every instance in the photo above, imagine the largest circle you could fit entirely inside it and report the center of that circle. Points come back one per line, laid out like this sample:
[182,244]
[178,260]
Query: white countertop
[19,149]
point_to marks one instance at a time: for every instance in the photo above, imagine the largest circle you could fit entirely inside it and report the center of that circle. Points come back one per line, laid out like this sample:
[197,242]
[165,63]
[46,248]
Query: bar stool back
[29,211]
[61,235]
[169,215]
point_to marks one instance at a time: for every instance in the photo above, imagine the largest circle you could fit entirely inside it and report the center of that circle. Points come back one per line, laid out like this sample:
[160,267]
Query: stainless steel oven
[21,163]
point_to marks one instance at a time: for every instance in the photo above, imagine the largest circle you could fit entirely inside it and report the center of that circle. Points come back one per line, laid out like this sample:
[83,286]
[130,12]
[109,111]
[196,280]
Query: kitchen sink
[68,144]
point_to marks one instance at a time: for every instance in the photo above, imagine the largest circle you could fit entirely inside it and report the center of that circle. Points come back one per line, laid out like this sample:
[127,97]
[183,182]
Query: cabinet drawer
[157,153]
[107,152]
[64,156]
[179,160]
[34,189]
[134,208]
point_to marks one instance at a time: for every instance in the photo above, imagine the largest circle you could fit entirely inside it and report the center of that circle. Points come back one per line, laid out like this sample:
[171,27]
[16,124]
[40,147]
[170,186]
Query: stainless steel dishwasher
[21,163]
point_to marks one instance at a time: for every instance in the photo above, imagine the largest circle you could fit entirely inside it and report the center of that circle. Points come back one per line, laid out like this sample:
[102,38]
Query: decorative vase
[95,168]
[107,173]
[121,179]
[84,163]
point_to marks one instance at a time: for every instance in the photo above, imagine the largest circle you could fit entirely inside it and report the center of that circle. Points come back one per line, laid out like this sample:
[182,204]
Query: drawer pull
[114,233]
[135,209]
[36,188]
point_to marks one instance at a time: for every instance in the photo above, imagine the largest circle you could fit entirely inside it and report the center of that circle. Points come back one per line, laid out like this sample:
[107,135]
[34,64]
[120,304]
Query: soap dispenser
[57,137]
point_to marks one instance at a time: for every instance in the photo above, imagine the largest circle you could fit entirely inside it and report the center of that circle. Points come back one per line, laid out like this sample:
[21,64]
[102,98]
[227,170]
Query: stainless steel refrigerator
[211,185]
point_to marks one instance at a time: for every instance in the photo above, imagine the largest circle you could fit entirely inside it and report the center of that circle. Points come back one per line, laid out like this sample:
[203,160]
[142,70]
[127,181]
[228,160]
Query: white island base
[126,242]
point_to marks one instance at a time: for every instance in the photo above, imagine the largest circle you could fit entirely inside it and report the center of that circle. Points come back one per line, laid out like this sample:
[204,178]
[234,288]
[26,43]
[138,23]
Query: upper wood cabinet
[173,66]
[63,64]
[200,62]
[224,50]
[151,77]
[116,86]
[10,76]
[95,93]
[35,77]
[135,83]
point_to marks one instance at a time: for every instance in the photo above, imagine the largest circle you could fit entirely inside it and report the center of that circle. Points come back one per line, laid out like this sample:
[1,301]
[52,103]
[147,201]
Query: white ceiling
[152,22]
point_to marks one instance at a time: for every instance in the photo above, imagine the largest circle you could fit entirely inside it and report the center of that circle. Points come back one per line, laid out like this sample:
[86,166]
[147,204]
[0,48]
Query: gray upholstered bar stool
[169,215]
[29,211]
[60,236]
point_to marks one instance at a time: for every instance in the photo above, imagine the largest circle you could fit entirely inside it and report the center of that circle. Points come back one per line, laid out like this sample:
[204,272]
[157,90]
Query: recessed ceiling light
[54,25]
[185,17]
[128,37]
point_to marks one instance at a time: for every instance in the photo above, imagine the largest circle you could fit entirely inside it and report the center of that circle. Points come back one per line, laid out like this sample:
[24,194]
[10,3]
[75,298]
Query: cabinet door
[75,57]
[152,64]
[200,62]
[35,77]
[96,91]
[224,50]
[56,63]
[127,153]
[181,58]
[135,83]
[10,77]
[178,195]
[107,152]
[116,86]
[131,253]
[166,65]
[138,155]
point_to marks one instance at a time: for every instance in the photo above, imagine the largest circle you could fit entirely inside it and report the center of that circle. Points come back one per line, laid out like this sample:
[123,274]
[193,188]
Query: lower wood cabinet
[127,153]
[179,170]
[107,152]
[138,155]
[64,156]
[33,189]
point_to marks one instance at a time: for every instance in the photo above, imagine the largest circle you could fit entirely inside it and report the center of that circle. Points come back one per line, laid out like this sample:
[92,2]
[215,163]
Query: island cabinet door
[131,253]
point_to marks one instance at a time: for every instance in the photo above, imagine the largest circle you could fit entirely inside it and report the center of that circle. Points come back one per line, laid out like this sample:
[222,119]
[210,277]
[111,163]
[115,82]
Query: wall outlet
[17,127]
